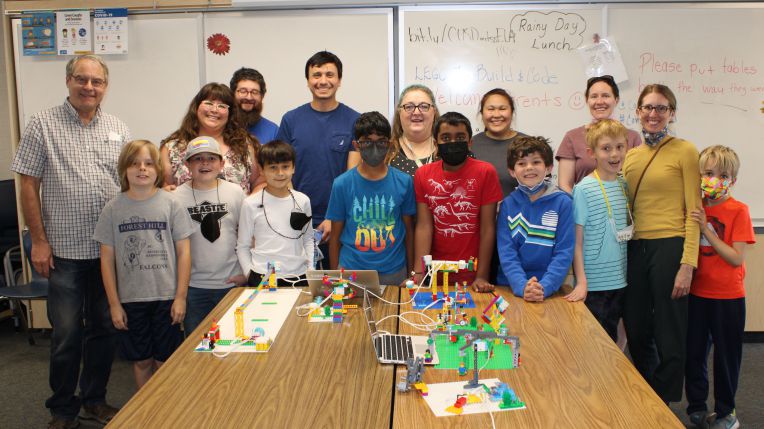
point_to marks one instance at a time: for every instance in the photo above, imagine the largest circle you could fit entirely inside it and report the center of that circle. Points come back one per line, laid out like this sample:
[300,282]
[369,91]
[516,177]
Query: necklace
[294,206]
[193,193]
[416,159]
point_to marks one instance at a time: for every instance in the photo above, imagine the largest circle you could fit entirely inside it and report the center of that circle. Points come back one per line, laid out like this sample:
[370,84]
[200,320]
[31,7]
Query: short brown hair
[128,155]
[605,128]
[523,146]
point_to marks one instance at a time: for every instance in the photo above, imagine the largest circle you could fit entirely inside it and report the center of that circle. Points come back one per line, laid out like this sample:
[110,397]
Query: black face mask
[298,220]
[453,153]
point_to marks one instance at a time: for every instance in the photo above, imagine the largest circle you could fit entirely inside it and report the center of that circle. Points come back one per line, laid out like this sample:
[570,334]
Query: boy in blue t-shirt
[371,208]
[534,228]
[601,213]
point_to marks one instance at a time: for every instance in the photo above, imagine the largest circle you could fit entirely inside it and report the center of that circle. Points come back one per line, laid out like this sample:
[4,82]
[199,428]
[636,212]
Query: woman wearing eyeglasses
[573,162]
[210,114]
[497,109]
[663,177]
[413,145]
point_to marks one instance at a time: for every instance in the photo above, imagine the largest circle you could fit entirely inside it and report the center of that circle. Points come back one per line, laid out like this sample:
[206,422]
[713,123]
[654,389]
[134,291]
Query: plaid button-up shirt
[77,165]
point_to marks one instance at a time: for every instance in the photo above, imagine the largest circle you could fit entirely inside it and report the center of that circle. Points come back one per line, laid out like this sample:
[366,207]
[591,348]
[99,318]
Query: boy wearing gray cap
[213,207]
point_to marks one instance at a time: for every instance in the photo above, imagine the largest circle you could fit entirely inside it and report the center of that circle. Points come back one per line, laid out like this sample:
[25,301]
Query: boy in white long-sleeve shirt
[275,226]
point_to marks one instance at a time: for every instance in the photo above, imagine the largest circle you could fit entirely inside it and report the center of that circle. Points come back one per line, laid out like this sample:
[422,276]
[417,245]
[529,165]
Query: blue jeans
[82,332]
[199,303]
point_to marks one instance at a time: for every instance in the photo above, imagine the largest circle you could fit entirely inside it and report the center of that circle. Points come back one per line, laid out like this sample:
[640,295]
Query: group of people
[140,238]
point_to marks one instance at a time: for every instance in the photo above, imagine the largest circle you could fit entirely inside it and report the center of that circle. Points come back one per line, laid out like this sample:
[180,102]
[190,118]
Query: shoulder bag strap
[639,182]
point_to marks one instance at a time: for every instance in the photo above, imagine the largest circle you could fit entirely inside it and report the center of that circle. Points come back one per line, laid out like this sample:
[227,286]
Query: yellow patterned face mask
[715,188]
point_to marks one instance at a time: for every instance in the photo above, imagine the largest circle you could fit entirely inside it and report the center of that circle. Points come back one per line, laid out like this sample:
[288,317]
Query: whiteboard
[463,52]
[712,59]
[278,43]
[149,88]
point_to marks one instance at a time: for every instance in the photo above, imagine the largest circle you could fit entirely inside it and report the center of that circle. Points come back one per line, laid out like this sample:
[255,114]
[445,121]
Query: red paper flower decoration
[219,44]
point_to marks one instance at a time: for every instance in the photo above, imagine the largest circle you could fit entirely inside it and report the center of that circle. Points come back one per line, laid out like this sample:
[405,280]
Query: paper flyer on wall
[73,27]
[38,33]
[110,31]
[603,58]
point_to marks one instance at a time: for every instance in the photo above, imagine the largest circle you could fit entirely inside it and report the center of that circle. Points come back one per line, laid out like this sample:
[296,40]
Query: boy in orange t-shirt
[717,296]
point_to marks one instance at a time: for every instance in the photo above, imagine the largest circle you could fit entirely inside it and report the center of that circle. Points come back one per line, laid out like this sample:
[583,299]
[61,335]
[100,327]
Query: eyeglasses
[647,108]
[369,143]
[83,80]
[244,92]
[212,105]
[605,77]
[410,107]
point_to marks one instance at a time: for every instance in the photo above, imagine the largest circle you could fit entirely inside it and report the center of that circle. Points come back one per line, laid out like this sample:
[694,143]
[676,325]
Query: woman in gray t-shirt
[497,109]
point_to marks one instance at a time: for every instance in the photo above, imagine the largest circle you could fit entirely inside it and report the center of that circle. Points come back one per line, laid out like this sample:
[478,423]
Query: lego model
[461,401]
[445,267]
[452,342]
[502,392]
[493,315]
[338,290]
[414,372]
[252,322]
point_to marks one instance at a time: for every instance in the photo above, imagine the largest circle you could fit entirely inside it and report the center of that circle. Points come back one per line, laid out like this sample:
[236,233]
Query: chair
[16,293]
[9,221]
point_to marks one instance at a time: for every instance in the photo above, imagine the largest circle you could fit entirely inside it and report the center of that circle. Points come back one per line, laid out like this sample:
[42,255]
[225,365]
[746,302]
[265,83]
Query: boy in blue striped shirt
[602,217]
[534,228]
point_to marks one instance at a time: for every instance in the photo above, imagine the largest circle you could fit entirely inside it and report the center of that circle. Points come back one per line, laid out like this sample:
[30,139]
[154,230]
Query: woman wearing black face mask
[456,204]
[372,208]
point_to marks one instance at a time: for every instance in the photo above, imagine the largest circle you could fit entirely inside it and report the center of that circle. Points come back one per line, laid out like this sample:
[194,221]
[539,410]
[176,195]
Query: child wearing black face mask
[275,227]
[372,208]
[456,203]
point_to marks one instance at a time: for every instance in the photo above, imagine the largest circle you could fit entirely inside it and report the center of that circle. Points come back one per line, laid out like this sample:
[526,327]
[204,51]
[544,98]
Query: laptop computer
[392,348]
[367,278]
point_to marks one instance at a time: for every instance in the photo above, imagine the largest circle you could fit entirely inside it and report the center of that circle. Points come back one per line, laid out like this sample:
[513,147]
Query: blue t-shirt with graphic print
[374,236]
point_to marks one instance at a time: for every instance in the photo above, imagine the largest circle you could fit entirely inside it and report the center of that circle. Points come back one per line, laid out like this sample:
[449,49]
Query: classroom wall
[8,121]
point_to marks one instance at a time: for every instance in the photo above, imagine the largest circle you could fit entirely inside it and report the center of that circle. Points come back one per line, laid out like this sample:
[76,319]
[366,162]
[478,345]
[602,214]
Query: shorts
[150,332]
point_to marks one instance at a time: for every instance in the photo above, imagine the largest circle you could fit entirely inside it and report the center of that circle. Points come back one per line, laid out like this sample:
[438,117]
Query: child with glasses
[456,204]
[372,208]
[145,261]
[275,231]
[716,306]
[213,205]
[602,219]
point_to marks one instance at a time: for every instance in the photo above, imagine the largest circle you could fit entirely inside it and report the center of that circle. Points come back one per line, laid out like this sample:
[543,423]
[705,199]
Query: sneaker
[730,421]
[702,419]
[101,413]
[62,423]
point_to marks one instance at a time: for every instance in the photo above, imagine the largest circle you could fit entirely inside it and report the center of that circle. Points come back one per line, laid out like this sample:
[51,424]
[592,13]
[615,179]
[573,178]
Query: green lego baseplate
[448,353]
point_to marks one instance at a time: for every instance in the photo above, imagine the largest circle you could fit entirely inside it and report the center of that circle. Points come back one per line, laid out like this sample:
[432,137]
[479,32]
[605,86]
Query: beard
[247,119]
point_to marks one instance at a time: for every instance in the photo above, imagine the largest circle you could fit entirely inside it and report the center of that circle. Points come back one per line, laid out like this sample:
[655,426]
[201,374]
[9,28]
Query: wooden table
[316,374]
[571,375]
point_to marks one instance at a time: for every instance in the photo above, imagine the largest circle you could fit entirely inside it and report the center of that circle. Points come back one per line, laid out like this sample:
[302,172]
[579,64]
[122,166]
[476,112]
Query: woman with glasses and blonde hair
[211,114]
[573,162]
[663,178]
[413,145]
